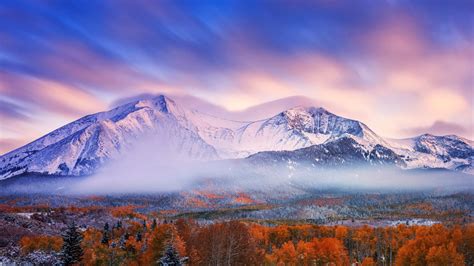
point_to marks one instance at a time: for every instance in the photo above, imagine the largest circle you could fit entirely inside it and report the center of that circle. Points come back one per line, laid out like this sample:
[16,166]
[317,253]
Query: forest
[238,243]
[132,238]
[210,229]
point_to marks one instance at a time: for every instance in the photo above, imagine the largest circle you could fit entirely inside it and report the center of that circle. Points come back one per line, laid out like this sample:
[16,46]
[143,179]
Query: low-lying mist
[154,167]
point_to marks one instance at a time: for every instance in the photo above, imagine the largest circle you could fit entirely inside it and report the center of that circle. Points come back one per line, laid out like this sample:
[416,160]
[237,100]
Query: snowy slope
[293,129]
[83,146]
[429,151]
[301,127]
[342,152]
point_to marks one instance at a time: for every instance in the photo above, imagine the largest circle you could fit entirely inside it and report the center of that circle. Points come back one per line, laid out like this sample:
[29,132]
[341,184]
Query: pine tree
[123,242]
[170,257]
[139,236]
[105,234]
[153,225]
[71,251]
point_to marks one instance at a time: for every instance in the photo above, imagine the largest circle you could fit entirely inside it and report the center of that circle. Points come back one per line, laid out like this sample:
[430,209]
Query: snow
[82,146]
[316,138]
[411,222]
[434,151]
[25,214]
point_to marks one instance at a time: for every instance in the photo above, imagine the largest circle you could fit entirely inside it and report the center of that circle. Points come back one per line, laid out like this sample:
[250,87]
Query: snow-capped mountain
[301,127]
[84,145]
[292,129]
[429,151]
[342,152]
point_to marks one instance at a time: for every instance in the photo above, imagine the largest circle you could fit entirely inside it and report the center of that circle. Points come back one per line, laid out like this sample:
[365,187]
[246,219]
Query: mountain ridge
[84,145]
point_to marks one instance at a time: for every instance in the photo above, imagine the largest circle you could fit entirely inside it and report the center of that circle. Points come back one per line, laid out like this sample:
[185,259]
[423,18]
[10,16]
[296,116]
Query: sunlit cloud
[442,128]
[392,64]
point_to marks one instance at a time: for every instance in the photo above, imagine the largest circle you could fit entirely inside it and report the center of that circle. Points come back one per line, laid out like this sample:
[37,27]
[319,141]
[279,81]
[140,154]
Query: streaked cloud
[388,63]
[12,111]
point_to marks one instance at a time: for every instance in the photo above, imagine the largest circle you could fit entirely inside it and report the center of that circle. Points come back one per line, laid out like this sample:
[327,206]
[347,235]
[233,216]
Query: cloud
[42,94]
[7,144]
[9,110]
[386,64]
[443,128]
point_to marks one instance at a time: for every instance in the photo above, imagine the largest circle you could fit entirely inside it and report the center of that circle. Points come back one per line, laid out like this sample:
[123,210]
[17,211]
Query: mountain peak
[319,121]
[427,135]
[308,109]
[161,103]
[319,110]
[439,137]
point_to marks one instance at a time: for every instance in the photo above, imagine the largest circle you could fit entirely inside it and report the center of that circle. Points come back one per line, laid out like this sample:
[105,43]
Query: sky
[402,67]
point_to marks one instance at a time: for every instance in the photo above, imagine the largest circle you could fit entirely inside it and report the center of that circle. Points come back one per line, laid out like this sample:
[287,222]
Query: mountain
[342,152]
[429,151]
[299,133]
[297,128]
[82,146]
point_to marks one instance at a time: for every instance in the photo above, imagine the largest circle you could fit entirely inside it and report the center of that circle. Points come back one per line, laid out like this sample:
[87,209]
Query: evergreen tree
[153,225]
[170,257]
[144,225]
[105,234]
[122,242]
[139,236]
[71,251]
[119,224]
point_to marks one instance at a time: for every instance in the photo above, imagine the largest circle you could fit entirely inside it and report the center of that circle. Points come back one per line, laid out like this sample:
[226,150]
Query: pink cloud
[443,128]
[49,95]
[7,144]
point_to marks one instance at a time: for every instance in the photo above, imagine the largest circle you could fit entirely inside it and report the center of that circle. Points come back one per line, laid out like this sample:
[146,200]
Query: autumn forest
[123,235]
